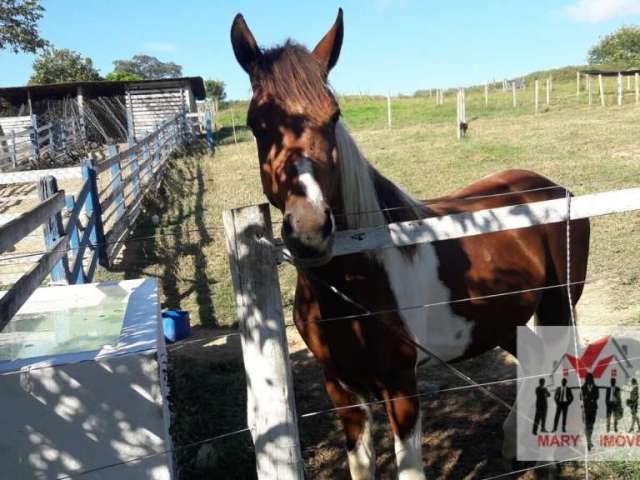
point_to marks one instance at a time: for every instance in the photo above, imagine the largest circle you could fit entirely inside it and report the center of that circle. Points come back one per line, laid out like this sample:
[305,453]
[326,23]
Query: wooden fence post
[461,117]
[233,127]
[536,95]
[486,95]
[619,88]
[207,122]
[116,182]
[156,148]
[53,229]
[133,167]
[35,151]
[637,80]
[388,111]
[548,92]
[589,90]
[146,156]
[601,85]
[93,211]
[74,244]
[513,94]
[271,410]
[14,156]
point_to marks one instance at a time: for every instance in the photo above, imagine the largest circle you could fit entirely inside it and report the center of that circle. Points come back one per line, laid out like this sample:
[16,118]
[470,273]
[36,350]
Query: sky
[390,46]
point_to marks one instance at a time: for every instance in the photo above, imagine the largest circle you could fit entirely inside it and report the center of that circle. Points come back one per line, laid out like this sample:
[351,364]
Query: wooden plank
[35,175]
[15,230]
[484,221]
[271,409]
[78,204]
[11,302]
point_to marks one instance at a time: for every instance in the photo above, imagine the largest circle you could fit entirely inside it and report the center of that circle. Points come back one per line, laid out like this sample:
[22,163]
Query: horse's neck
[368,198]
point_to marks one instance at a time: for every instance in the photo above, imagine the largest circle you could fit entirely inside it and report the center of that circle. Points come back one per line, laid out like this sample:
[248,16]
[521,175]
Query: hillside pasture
[587,149]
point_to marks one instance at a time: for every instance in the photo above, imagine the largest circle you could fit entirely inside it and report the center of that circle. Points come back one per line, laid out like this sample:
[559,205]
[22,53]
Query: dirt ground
[462,429]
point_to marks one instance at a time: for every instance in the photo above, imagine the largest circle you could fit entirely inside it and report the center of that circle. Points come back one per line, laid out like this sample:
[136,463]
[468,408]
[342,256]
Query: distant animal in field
[464,127]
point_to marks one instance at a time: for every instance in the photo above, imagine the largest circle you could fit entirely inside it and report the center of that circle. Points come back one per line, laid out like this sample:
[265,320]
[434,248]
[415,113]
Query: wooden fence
[253,258]
[89,228]
[22,143]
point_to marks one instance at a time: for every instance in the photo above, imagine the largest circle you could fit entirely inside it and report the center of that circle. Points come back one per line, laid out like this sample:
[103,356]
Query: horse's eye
[336,116]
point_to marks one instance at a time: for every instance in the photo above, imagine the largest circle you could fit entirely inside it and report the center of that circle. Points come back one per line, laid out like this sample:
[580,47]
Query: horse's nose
[327,228]
[287,229]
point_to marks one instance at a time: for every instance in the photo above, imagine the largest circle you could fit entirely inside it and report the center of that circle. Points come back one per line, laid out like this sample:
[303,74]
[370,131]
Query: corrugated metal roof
[102,87]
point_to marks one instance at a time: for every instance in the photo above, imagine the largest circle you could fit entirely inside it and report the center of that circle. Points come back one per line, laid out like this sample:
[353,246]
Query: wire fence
[366,313]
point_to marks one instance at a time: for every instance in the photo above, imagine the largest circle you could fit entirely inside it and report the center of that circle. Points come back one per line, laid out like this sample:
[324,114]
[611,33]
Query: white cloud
[602,10]
[160,47]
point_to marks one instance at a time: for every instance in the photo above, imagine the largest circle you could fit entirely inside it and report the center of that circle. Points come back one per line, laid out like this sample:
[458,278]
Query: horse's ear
[244,45]
[328,49]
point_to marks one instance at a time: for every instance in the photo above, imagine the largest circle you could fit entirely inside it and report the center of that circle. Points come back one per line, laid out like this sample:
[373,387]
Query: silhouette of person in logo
[541,407]
[613,401]
[563,397]
[632,403]
[590,397]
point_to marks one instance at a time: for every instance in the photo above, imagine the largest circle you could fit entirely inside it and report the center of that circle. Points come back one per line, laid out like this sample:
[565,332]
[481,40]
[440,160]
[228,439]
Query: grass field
[587,149]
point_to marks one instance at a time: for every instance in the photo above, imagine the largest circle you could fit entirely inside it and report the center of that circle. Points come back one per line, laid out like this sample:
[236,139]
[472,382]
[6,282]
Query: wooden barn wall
[151,107]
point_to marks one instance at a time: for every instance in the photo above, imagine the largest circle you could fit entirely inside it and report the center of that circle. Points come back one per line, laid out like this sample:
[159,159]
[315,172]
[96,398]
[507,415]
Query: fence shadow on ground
[172,250]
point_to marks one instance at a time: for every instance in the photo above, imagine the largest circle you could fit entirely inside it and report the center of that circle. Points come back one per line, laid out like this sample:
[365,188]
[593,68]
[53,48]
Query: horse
[312,170]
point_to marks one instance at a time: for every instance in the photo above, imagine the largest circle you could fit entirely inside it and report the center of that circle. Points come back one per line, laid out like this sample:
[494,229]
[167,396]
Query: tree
[122,77]
[62,65]
[148,68]
[19,25]
[215,89]
[621,47]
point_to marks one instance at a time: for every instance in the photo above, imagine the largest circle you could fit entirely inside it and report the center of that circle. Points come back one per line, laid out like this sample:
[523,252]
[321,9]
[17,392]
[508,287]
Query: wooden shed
[112,110]
[150,103]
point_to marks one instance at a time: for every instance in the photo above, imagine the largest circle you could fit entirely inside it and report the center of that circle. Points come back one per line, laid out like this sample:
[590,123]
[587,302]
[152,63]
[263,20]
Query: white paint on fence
[484,221]
[31,176]
[601,86]
[548,91]
[461,115]
[619,89]
[271,409]
[513,94]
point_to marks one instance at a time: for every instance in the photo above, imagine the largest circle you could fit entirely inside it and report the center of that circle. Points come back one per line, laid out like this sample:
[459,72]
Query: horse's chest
[423,302]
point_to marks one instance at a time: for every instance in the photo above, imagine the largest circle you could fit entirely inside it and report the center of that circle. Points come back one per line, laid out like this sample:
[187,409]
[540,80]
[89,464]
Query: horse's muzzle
[309,245]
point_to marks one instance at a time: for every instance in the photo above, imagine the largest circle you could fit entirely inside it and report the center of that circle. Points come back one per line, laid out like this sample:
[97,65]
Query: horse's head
[293,116]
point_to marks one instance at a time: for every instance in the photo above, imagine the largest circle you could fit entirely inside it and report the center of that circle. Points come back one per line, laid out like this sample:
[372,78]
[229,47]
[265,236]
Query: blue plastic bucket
[176,324]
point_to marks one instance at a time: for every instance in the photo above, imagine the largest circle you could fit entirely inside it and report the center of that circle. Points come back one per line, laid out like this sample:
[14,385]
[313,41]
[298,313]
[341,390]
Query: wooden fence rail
[77,236]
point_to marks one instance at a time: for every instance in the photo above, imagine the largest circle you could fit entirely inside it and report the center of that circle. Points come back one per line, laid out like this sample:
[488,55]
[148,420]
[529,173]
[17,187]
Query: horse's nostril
[327,227]
[287,230]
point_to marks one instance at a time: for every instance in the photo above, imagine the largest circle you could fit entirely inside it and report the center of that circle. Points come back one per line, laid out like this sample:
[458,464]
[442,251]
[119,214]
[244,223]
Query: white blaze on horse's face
[308,225]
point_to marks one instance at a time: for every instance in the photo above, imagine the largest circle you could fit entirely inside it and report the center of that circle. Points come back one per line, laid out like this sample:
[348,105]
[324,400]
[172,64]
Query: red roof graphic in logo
[586,362]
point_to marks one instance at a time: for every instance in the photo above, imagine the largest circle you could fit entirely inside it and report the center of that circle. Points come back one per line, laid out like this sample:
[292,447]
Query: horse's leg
[403,409]
[356,423]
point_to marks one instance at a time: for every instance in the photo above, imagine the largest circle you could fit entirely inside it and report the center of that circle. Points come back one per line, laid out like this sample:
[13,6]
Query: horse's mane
[369,199]
[292,75]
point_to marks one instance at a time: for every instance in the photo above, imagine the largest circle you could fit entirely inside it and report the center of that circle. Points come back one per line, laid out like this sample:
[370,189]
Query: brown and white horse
[312,170]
